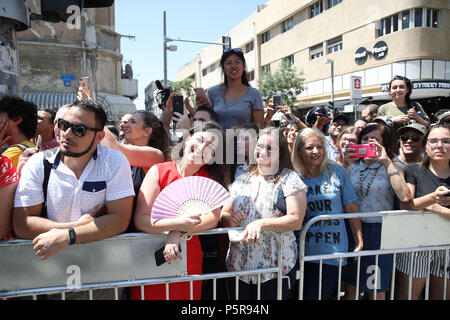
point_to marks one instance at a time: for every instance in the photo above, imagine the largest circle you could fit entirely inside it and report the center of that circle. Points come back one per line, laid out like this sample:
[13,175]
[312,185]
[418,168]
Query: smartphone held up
[363,151]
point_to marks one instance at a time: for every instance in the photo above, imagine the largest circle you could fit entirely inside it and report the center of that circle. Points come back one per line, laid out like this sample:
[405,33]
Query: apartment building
[374,40]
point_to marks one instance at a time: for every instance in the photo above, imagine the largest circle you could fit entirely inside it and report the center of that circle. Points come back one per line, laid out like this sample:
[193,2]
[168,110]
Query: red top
[8,174]
[168,173]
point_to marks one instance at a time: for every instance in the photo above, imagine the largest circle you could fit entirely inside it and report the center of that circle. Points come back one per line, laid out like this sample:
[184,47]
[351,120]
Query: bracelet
[393,173]
[72,236]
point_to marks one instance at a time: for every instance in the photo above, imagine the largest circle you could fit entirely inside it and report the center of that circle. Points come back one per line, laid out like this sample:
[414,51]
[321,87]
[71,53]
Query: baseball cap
[341,116]
[442,116]
[385,120]
[416,126]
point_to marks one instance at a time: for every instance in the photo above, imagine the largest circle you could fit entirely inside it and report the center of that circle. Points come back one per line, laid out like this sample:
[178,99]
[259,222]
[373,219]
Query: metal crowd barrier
[403,231]
[126,260]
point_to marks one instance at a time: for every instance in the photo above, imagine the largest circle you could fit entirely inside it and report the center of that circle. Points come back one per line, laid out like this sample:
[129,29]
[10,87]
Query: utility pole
[14,16]
[174,48]
[165,48]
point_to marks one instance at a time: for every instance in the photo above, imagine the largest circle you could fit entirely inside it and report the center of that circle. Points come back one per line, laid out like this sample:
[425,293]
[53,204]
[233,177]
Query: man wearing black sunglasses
[84,178]
[411,144]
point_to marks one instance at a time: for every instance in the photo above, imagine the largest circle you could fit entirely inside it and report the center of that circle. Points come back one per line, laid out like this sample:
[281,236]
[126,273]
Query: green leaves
[285,81]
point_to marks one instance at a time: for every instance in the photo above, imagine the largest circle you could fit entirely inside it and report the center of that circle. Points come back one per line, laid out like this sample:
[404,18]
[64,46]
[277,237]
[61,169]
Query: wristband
[72,236]
[393,173]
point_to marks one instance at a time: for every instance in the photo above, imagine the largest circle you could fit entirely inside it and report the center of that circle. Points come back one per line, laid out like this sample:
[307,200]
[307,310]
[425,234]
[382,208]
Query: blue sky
[200,20]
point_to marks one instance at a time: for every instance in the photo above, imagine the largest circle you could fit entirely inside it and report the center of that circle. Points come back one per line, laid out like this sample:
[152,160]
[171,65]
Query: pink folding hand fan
[189,196]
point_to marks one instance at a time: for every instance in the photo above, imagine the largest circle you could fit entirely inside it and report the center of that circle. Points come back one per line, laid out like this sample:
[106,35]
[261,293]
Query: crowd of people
[66,179]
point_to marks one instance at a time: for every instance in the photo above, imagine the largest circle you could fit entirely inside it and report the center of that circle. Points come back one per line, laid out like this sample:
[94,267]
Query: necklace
[369,184]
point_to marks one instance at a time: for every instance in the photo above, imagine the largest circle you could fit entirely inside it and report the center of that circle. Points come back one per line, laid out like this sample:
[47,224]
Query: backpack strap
[47,170]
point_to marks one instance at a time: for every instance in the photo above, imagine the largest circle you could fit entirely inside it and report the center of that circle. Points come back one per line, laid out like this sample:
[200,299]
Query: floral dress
[256,198]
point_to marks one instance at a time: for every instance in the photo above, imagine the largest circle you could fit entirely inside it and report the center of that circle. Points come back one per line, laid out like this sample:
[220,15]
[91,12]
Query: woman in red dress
[198,151]
[8,183]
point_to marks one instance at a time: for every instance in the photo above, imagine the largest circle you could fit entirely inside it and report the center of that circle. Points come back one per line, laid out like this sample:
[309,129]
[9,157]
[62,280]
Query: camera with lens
[163,94]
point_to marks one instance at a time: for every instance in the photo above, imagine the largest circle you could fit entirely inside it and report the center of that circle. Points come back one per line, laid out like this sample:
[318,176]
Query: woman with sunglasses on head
[402,110]
[429,183]
[268,196]
[235,101]
[147,144]
[376,181]
[197,158]
[329,192]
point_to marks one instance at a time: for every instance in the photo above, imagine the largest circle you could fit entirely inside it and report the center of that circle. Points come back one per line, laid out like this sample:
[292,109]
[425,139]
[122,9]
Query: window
[418,12]
[423,17]
[249,47]
[387,25]
[251,76]
[332,3]
[405,20]
[316,51]
[265,37]
[334,45]
[395,23]
[288,24]
[204,72]
[316,8]
[289,59]
[432,18]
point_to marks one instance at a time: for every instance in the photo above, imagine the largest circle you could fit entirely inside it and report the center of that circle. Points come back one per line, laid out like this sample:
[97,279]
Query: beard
[71,154]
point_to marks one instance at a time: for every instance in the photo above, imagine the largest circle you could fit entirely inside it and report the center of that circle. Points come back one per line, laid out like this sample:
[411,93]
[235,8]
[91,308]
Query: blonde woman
[329,191]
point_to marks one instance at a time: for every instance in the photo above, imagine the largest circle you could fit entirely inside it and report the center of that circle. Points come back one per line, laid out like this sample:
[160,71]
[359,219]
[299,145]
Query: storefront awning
[115,105]
[49,100]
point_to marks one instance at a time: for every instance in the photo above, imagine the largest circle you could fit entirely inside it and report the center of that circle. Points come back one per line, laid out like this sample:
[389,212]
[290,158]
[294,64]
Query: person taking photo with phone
[376,180]
[235,101]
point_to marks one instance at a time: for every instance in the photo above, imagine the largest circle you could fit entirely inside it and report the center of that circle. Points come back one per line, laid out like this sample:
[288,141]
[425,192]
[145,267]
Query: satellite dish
[128,72]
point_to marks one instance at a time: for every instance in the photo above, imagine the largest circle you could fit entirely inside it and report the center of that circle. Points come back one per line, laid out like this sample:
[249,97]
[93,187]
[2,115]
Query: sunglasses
[446,121]
[235,50]
[78,129]
[414,138]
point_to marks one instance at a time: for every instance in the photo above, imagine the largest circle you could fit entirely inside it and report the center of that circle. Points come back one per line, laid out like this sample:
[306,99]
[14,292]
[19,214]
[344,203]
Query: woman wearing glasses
[269,196]
[402,110]
[235,101]
[376,181]
[329,192]
[429,183]
[347,136]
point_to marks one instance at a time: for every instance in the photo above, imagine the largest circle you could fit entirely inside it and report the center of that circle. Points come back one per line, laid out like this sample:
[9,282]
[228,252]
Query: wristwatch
[72,236]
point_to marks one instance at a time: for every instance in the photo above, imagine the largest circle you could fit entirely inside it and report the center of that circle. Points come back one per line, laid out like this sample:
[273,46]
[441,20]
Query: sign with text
[355,87]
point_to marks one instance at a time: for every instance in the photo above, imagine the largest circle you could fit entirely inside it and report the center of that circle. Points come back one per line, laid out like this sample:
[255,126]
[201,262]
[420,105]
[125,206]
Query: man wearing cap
[339,121]
[443,116]
[411,143]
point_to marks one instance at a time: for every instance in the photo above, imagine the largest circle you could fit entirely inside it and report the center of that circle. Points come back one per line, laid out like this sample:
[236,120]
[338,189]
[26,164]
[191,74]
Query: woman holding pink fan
[268,198]
[198,159]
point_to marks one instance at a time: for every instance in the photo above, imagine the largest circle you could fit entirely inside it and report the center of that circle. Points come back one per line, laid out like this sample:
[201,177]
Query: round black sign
[361,55]
[380,50]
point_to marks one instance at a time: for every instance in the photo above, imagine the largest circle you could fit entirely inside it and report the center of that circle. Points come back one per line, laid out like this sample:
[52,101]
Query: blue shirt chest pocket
[94,186]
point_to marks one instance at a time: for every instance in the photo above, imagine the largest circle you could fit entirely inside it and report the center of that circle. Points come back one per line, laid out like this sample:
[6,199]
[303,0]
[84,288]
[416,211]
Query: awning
[49,100]
[115,105]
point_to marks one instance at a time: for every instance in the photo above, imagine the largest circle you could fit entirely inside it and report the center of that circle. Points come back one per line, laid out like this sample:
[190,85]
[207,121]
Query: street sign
[355,87]
[66,77]
[67,83]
